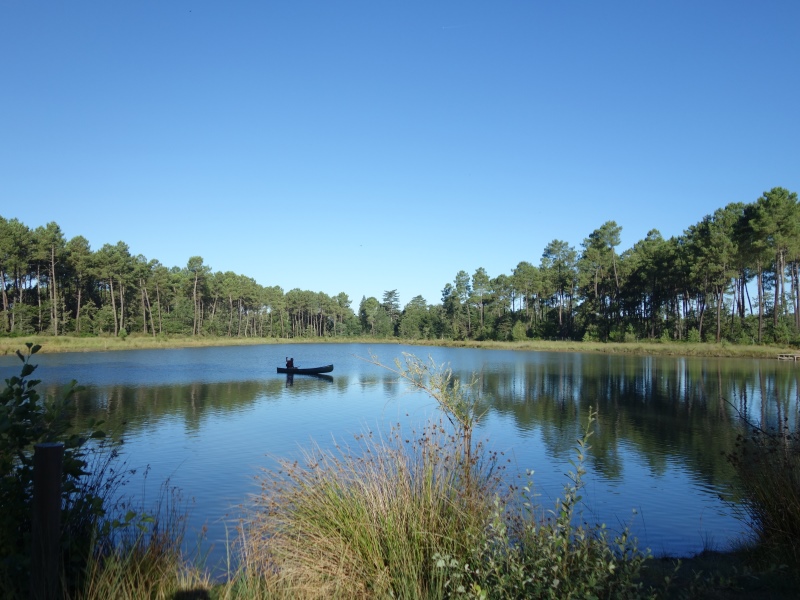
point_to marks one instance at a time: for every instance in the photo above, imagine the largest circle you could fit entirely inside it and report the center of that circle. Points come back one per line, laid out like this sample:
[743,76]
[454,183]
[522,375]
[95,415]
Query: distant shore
[51,344]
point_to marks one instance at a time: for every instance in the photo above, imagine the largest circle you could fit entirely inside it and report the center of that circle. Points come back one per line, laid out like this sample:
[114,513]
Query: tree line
[733,276]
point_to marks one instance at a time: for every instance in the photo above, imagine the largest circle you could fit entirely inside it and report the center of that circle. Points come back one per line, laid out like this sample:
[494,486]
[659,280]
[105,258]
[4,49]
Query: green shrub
[782,333]
[26,420]
[519,332]
[693,336]
[592,334]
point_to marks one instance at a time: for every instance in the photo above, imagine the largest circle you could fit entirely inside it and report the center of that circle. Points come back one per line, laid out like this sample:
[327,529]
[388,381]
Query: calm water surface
[208,419]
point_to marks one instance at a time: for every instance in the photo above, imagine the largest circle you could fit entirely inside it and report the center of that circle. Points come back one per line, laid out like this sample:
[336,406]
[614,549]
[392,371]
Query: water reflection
[663,409]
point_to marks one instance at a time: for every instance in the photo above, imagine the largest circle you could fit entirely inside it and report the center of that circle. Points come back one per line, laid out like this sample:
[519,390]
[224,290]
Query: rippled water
[208,419]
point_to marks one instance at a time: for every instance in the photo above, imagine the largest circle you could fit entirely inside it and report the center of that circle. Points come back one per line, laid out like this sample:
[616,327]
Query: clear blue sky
[364,146]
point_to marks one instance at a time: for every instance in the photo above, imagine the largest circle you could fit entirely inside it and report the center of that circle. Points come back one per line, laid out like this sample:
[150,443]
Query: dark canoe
[305,371]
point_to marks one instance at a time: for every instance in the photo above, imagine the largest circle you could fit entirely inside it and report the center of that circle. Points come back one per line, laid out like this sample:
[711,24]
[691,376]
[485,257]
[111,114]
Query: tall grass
[365,521]
[140,554]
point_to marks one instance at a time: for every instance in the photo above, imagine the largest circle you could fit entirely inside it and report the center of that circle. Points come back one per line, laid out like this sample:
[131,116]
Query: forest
[734,276]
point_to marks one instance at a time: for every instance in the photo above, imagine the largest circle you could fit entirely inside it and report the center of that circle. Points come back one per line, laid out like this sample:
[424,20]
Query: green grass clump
[366,521]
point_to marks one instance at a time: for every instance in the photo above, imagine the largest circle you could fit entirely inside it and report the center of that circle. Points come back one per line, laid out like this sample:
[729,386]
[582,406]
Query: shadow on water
[321,377]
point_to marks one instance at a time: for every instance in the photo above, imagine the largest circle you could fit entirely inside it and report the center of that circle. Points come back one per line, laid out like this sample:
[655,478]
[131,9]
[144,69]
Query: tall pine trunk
[54,291]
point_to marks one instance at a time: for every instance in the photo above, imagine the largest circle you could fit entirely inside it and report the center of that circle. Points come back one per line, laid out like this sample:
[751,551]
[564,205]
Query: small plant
[458,401]
[592,333]
[745,340]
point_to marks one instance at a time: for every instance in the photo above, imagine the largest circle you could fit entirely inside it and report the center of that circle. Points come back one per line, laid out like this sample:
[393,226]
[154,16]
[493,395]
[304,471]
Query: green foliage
[26,420]
[591,334]
[23,316]
[782,333]
[504,327]
[375,320]
[519,332]
[693,336]
[104,320]
[622,334]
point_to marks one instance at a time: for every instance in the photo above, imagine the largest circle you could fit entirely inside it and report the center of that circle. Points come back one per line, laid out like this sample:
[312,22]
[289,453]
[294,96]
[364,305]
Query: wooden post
[48,459]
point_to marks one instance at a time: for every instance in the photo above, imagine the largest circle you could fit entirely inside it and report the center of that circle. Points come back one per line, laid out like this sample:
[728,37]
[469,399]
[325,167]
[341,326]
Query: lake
[208,419]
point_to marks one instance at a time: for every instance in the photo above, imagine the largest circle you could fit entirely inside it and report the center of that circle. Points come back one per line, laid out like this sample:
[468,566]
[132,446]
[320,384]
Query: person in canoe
[289,363]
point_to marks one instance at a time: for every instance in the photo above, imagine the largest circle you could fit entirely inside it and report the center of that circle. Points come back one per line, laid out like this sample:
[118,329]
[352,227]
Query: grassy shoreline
[51,344]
